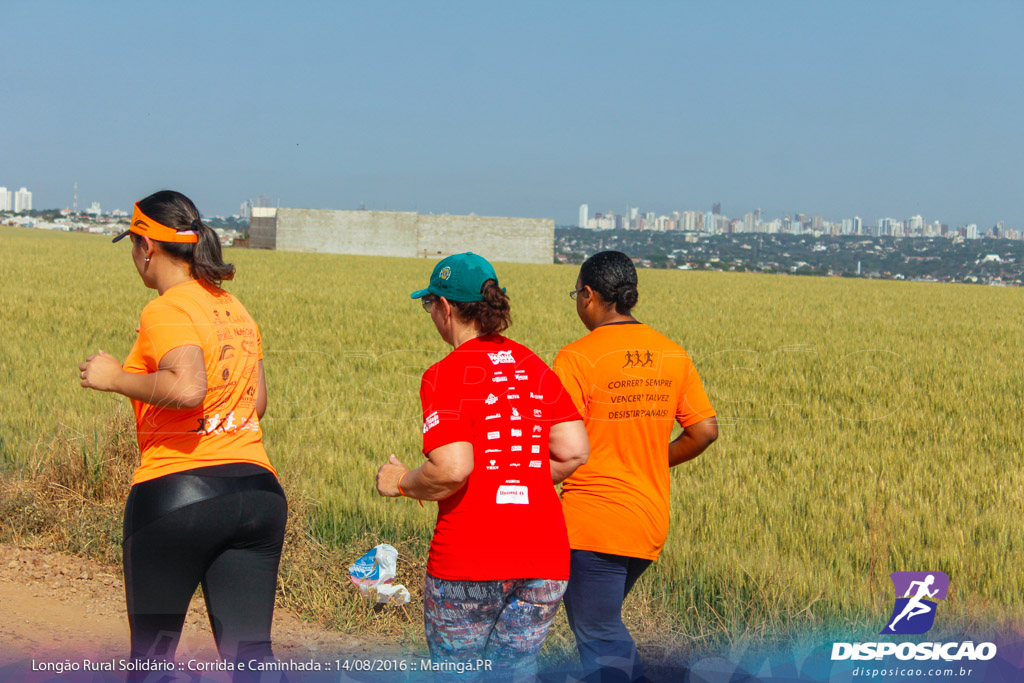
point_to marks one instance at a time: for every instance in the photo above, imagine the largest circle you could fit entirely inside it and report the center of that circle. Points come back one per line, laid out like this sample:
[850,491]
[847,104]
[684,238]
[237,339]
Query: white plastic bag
[393,593]
[376,567]
[375,571]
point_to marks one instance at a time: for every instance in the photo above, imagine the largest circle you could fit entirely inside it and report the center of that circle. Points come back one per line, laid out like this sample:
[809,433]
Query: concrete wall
[516,240]
[263,228]
[391,233]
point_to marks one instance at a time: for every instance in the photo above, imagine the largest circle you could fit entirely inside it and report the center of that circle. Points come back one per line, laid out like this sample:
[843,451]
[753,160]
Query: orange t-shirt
[630,384]
[225,429]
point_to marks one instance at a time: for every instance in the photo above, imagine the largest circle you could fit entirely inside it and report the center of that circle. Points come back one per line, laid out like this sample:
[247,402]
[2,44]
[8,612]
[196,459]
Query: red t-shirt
[506,522]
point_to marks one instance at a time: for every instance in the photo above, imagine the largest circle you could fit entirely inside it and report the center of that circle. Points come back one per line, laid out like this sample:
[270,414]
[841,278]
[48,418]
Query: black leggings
[220,526]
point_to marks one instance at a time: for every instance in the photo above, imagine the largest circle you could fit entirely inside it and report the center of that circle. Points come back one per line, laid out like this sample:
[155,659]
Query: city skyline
[716,222]
[834,109]
[713,222]
[633,218]
[690,220]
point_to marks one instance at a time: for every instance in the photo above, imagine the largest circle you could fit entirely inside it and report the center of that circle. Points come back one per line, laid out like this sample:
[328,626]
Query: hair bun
[627,295]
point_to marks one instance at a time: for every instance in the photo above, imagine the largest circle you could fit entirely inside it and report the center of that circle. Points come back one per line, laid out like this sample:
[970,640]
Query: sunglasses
[573,293]
[428,303]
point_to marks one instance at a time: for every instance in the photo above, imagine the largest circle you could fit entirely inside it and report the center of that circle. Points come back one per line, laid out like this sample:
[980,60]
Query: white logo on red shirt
[522,376]
[515,415]
[501,357]
[517,432]
[511,396]
[493,435]
[492,466]
[536,429]
[535,463]
[537,412]
[431,421]
[491,399]
[516,449]
[535,448]
[499,378]
[539,397]
[493,417]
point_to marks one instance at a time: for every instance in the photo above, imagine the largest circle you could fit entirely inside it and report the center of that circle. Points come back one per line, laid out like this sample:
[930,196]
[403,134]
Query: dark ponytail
[612,275]
[204,257]
[493,315]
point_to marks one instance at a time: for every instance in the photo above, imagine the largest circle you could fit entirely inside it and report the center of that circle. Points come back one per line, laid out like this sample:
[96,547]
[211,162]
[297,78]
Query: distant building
[94,209]
[915,226]
[22,200]
[748,222]
[394,233]
[709,222]
[6,199]
[584,216]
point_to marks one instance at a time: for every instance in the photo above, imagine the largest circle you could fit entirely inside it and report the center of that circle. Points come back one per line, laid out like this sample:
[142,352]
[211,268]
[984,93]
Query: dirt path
[54,606]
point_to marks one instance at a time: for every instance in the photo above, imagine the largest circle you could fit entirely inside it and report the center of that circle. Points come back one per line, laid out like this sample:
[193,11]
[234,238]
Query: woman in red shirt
[498,431]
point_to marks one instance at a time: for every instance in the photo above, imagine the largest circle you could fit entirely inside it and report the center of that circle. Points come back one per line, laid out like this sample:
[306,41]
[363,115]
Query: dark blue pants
[598,584]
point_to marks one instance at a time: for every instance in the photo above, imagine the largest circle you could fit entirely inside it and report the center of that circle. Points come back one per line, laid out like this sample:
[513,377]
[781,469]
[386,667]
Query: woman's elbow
[191,401]
[707,433]
[192,397]
[455,475]
[712,435]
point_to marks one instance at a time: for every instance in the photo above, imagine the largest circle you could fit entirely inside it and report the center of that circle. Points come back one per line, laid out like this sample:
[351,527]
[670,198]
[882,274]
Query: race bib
[512,495]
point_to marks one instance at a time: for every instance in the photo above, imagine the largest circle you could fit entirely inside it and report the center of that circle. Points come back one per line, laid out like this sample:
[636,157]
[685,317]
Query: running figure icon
[916,605]
[917,595]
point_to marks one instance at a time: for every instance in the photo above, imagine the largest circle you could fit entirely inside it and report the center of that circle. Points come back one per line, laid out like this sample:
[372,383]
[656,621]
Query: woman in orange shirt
[631,385]
[205,505]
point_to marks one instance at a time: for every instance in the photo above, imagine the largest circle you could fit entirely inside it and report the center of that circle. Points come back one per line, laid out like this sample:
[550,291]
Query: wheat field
[866,426]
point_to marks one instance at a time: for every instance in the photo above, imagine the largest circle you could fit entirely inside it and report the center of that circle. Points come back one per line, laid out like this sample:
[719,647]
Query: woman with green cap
[499,431]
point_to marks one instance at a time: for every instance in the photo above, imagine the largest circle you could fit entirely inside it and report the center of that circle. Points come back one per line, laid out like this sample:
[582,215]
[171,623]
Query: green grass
[866,426]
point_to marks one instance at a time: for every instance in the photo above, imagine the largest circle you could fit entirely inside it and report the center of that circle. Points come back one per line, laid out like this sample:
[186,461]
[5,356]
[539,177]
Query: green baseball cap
[459,277]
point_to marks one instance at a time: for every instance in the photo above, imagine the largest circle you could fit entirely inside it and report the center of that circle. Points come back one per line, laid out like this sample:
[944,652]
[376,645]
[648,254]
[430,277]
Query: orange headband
[144,225]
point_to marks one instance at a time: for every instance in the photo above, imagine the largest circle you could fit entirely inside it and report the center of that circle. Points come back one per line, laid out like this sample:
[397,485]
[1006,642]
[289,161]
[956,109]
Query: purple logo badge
[917,596]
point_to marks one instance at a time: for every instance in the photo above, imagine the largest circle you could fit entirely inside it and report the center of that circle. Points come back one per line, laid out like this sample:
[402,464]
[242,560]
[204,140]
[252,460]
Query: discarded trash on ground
[375,571]
[393,593]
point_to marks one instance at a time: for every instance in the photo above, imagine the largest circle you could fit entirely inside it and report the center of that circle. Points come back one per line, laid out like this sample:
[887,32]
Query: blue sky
[522,109]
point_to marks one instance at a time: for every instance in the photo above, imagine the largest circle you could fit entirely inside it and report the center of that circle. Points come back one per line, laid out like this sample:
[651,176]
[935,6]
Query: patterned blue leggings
[503,622]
